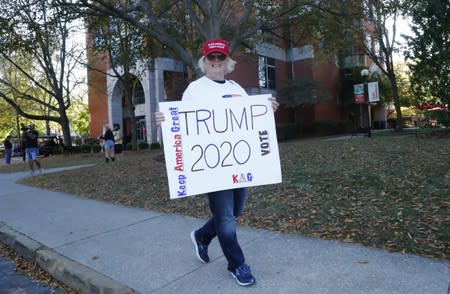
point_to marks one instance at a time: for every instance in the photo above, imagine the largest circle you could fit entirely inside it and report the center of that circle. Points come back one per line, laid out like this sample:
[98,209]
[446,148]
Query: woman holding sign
[225,205]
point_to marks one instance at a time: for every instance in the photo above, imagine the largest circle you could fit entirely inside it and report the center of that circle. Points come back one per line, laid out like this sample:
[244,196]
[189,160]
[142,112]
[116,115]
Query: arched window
[138,94]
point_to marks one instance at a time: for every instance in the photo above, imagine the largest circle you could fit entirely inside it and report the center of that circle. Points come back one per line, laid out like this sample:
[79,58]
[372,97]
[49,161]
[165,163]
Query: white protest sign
[219,144]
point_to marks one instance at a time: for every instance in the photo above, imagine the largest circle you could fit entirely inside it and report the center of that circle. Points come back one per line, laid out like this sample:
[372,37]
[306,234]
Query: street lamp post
[365,74]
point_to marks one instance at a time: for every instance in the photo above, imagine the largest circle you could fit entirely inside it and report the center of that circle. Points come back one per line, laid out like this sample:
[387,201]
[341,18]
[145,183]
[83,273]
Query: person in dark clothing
[30,141]
[8,149]
[118,143]
[23,128]
[108,145]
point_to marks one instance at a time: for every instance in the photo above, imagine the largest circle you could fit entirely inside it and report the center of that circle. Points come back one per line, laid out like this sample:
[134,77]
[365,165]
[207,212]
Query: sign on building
[219,144]
[374,94]
[358,92]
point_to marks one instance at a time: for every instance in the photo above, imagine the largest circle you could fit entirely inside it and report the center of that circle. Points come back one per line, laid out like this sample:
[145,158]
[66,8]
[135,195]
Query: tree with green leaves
[180,27]
[79,116]
[364,28]
[11,76]
[407,96]
[127,52]
[382,42]
[7,120]
[301,92]
[428,52]
[353,77]
[38,31]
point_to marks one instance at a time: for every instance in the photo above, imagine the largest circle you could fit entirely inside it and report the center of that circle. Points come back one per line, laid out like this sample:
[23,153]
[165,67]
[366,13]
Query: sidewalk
[106,248]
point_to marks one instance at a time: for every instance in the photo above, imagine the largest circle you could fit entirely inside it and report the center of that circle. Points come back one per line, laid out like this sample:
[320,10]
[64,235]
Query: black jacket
[30,139]
[7,144]
[108,135]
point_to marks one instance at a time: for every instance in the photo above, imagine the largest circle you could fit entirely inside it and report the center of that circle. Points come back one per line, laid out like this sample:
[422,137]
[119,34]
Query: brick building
[261,71]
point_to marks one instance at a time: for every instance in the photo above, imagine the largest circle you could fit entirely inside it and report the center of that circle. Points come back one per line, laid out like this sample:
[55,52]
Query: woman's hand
[275,103]
[159,118]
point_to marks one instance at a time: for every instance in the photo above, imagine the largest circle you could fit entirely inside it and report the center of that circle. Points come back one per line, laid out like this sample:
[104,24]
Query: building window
[267,72]
[141,131]
[138,94]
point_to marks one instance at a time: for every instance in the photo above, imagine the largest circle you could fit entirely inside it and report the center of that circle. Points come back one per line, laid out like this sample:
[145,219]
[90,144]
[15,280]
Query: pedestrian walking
[24,129]
[8,149]
[31,145]
[108,145]
[118,143]
[226,206]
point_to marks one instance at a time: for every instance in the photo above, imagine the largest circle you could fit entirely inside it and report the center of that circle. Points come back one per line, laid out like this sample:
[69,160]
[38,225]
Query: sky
[403,27]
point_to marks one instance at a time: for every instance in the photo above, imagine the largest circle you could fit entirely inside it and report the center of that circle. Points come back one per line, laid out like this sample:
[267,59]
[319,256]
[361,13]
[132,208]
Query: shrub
[57,151]
[288,131]
[91,141]
[155,145]
[76,149]
[77,140]
[129,146]
[331,127]
[143,145]
[85,148]
[96,148]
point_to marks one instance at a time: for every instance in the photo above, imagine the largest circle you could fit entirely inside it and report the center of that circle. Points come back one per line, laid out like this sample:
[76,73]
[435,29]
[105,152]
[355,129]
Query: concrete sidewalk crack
[106,232]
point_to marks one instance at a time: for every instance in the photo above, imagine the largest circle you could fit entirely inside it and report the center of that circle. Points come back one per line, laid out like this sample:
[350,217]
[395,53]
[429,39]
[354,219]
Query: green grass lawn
[388,191]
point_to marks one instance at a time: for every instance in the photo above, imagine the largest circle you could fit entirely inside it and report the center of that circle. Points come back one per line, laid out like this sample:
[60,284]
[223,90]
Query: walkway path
[97,246]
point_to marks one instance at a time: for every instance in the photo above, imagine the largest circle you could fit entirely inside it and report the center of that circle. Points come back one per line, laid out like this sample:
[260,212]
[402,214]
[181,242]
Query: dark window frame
[267,72]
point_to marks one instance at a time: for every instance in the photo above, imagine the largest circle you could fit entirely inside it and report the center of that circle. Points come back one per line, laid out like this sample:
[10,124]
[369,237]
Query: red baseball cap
[216,45]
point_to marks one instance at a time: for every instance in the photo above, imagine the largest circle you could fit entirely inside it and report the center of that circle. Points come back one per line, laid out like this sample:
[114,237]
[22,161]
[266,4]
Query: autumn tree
[7,120]
[79,116]
[364,28]
[428,52]
[127,52]
[178,28]
[181,26]
[9,117]
[382,42]
[39,31]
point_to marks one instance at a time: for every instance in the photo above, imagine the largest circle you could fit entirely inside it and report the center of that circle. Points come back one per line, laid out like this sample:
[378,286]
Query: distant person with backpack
[8,149]
[118,143]
[31,145]
[108,145]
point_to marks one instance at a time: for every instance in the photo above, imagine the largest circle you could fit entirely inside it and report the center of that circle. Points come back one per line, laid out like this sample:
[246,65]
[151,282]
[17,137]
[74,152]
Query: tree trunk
[397,104]
[19,134]
[65,127]
[47,128]
[131,112]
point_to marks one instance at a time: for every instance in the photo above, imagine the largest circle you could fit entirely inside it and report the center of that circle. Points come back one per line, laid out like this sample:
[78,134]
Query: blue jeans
[8,156]
[32,153]
[225,206]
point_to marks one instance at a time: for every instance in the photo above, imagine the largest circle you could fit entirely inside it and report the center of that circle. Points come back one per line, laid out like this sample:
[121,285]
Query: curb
[68,271]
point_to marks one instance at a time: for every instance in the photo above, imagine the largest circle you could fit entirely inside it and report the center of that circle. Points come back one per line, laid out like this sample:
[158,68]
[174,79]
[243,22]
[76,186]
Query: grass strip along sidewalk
[388,191]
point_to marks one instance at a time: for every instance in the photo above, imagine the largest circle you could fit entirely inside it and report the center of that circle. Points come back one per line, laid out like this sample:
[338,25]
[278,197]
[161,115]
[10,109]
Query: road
[12,282]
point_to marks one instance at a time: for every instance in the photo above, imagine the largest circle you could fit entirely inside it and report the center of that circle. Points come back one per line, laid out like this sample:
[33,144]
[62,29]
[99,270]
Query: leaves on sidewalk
[389,192]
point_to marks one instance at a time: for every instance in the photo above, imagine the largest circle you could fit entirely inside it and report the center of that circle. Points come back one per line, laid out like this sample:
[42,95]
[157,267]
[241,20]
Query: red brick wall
[246,71]
[97,93]
[328,74]
[246,74]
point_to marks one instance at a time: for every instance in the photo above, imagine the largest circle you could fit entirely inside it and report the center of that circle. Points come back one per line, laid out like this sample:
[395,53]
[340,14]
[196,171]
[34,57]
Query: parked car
[49,145]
